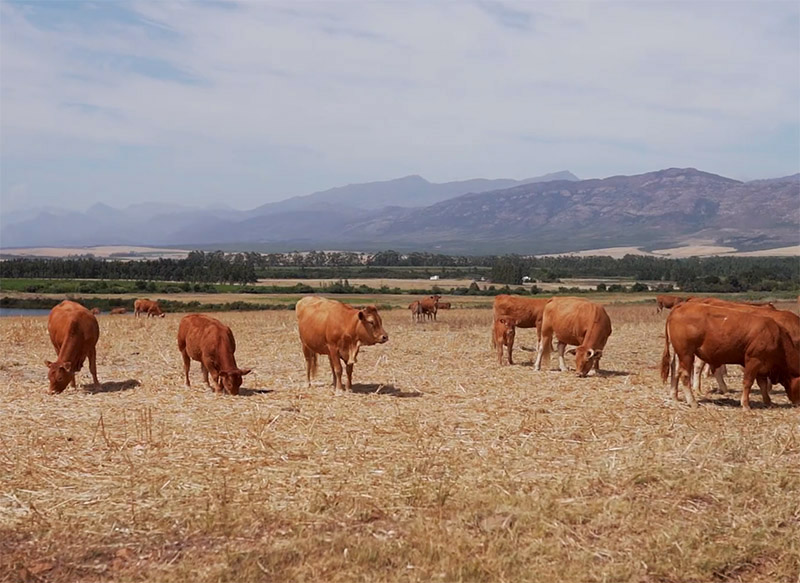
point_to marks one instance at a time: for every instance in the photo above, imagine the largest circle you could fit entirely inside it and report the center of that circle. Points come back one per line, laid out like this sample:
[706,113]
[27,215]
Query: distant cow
[149,307]
[337,330]
[95,311]
[721,335]
[444,305]
[74,332]
[577,322]
[526,312]
[416,311]
[115,311]
[667,301]
[211,343]
[503,333]
[430,306]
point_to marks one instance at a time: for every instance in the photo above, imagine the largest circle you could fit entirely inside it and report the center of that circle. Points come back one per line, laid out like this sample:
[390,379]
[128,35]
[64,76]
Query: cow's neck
[70,349]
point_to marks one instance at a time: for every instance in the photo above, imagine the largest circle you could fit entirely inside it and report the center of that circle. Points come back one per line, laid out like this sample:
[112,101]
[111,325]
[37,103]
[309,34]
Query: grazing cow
[333,328]
[503,335]
[721,335]
[74,332]
[526,312]
[416,311]
[115,311]
[789,321]
[430,306]
[667,301]
[95,311]
[577,322]
[149,307]
[444,305]
[211,343]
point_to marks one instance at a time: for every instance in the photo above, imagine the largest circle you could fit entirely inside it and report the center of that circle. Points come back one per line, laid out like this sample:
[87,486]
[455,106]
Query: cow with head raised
[337,330]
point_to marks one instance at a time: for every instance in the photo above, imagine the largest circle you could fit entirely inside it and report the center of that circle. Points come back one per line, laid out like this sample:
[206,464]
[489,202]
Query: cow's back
[201,334]
[322,321]
[525,311]
[571,319]
[71,321]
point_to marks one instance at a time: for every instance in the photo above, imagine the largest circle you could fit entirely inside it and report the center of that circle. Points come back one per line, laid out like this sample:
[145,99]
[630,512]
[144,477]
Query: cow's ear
[48,364]
[245,371]
[360,314]
[572,351]
[67,366]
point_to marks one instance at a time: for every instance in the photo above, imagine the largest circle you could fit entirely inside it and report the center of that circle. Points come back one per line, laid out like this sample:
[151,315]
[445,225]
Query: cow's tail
[313,364]
[665,356]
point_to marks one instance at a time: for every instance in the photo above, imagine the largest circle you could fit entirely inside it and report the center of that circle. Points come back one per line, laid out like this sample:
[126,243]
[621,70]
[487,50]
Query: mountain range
[547,214]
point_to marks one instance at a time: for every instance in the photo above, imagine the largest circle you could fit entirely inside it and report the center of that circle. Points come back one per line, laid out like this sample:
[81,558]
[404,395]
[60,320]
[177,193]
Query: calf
[574,321]
[525,312]
[721,335]
[667,301]
[503,332]
[416,311]
[74,332]
[211,343]
[337,330]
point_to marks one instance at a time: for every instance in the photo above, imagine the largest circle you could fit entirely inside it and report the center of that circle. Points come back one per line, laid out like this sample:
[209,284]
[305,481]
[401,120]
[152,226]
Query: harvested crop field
[441,466]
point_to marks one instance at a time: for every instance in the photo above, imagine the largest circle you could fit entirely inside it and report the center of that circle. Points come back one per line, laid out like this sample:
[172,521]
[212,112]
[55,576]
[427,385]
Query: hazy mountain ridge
[662,208]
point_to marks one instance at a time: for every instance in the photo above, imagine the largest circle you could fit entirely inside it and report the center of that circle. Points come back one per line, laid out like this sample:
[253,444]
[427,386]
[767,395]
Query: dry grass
[442,466]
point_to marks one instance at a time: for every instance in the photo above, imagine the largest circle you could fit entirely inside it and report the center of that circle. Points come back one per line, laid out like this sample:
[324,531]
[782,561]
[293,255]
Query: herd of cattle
[699,333]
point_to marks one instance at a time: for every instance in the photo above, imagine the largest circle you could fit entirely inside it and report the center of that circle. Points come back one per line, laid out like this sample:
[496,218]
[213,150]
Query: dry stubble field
[441,466]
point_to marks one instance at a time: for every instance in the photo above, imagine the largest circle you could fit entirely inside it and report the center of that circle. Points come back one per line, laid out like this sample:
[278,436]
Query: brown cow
[95,311]
[430,306]
[416,311]
[211,343]
[115,311]
[444,305]
[526,312]
[503,335]
[577,322]
[333,328]
[149,307]
[667,301]
[789,321]
[721,335]
[74,332]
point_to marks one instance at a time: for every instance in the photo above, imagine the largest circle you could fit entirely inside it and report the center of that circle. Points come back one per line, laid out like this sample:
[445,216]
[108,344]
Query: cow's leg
[697,375]
[764,385]
[310,356]
[93,366]
[499,347]
[719,375]
[544,344]
[562,364]
[749,377]
[336,368]
[214,374]
[673,376]
[186,363]
[73,383]
[204,370]
[349,369]
[686,365]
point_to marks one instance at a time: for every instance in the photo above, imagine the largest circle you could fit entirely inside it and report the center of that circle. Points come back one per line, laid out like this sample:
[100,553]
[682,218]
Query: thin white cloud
[255,101]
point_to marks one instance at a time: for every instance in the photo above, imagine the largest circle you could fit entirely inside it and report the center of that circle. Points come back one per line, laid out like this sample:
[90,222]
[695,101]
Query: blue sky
[243,103]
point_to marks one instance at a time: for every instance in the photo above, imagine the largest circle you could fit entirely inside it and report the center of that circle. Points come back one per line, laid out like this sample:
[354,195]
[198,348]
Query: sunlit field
[440,466]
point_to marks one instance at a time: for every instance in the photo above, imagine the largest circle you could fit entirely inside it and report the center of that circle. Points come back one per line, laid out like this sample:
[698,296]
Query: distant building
[434,278]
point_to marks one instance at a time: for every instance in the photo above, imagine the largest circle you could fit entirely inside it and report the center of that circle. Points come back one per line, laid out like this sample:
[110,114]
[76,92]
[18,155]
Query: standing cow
[577,322]
[337,330]
[503,335]
[525,312]
[430,306]
[211,343]
[416,311]
[149,307]
[721,335]
[74,332]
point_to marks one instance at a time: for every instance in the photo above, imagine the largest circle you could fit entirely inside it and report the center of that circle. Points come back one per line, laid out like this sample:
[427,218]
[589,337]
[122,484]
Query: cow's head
[231,380]
[59,374]
[507,323]
[372,325]
[585,359]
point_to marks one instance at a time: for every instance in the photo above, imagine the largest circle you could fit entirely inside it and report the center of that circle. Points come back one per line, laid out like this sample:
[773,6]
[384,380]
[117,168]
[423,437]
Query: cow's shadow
[250,392]
[112,386]
[381,389]
[730,402]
